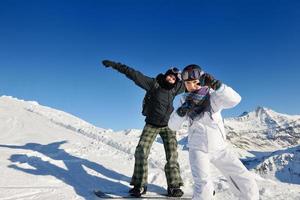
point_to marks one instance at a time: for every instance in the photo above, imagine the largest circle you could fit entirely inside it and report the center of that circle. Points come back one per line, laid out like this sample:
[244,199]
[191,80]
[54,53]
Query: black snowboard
[110,195]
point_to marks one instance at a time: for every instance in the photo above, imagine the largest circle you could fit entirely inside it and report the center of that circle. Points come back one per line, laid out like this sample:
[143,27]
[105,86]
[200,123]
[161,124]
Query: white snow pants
[238,176]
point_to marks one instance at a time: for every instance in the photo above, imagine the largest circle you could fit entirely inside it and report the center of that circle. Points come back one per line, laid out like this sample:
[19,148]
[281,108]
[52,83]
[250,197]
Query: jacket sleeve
[181,88]
[223,98]
[139,79]
[175,122]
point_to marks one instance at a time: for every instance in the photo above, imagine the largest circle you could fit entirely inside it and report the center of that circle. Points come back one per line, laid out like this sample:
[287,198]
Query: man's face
[192,85]
[171,78]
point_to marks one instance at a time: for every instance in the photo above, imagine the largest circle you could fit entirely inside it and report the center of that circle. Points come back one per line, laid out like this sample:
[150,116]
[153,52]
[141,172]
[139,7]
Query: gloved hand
[198,109]
[208,80]
[185,108]
[108,63]
[195,112]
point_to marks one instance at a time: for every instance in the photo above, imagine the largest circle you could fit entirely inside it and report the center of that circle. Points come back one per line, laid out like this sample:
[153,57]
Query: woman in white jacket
[201,107]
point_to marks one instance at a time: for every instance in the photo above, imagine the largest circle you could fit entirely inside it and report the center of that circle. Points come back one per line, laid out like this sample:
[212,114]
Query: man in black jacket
[157,107]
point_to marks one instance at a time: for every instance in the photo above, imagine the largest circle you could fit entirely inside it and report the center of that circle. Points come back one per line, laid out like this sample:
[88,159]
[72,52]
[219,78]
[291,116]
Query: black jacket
[160,106]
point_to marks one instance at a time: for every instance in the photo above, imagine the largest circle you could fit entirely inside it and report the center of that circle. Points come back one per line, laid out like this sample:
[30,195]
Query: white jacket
[207,132]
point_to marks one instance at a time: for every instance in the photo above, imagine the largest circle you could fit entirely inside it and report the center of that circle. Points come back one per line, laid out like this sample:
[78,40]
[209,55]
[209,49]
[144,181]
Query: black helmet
[174,71]
[191,72]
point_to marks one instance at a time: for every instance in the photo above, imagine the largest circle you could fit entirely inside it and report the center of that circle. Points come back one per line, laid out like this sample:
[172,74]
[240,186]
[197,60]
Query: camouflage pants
[172,170]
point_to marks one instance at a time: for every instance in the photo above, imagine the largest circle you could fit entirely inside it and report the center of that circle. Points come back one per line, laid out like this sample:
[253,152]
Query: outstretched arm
[139,79]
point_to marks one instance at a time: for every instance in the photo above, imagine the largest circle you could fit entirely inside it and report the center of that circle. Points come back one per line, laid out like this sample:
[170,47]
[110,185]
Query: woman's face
[192,85]
[171,79]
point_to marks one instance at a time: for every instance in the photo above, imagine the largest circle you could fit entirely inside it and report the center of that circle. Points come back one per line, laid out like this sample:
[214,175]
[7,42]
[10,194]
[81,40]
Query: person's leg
[172,169]
[239,178]
[200,166]
[140,174]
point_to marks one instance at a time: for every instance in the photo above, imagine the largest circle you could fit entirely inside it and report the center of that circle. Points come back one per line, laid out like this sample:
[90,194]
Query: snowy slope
[49,154]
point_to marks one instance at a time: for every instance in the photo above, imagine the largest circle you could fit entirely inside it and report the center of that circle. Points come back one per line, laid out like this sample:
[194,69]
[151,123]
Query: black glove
[208,80]
[184,108]
[193,113]
[198,109]
[108,63]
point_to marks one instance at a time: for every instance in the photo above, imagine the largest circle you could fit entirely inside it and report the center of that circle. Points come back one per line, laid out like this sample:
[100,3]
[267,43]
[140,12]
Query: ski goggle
[175,70]
[191,74]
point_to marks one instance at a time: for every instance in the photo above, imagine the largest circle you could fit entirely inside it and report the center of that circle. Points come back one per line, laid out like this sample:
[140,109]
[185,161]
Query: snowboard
[109,195]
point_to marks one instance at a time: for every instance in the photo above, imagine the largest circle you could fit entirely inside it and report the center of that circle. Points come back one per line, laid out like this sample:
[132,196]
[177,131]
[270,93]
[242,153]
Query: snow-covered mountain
[263,129]
[272,141]
[49,154]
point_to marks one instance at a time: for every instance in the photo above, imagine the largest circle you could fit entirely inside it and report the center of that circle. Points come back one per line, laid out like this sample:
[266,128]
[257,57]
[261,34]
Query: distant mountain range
[263,129]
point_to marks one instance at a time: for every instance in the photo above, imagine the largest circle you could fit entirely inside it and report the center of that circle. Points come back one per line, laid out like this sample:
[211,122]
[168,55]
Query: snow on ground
[49,154]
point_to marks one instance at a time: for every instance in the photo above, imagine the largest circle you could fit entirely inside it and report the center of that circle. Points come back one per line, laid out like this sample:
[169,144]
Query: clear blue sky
[50,52]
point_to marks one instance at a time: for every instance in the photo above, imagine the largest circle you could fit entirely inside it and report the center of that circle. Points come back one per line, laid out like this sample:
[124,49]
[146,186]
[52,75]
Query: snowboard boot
[175,192]
[138,191]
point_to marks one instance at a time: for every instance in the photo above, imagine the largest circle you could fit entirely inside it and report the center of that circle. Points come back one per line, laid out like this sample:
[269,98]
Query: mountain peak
[244,114]
[264,112]
[261,109]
